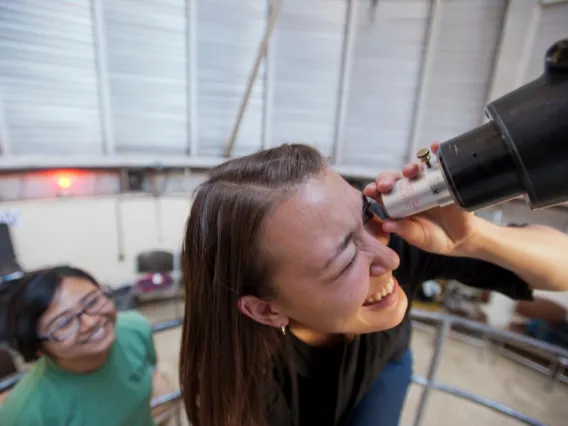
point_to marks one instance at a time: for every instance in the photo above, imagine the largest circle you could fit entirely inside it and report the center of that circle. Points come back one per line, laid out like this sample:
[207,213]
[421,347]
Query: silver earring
[283,328]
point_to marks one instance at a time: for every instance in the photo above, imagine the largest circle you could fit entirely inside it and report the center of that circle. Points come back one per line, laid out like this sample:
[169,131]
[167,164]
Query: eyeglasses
[67,326]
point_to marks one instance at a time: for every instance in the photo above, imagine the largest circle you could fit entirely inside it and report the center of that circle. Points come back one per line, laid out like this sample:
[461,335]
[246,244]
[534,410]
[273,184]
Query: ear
[262,312]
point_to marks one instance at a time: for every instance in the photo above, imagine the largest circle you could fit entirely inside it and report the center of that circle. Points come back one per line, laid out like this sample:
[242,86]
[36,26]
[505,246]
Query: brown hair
[227,358]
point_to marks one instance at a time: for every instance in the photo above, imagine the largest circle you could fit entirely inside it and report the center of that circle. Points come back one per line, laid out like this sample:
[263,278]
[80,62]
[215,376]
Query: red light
[64,179]
[64,182]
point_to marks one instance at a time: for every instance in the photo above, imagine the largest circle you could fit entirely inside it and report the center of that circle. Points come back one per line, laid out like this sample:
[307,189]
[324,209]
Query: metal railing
[445,323]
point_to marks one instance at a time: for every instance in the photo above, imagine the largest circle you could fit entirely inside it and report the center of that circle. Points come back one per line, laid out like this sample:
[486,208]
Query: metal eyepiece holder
[411,196]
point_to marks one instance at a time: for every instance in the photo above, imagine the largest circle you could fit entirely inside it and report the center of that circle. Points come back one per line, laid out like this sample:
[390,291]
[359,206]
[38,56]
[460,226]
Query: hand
[441,230]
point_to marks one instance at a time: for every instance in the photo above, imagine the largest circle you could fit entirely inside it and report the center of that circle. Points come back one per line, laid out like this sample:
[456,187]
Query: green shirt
[118,394]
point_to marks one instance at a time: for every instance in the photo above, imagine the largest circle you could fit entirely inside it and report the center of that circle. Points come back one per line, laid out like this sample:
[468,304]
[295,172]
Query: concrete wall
[85,232]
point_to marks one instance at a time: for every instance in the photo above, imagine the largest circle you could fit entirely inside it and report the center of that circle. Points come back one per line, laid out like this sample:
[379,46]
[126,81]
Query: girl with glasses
[92,365]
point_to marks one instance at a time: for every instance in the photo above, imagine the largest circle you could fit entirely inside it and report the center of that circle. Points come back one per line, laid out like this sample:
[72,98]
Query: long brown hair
[227,358]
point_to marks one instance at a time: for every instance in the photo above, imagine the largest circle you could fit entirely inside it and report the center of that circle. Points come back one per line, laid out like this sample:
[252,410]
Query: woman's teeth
[384,292]
[97,335]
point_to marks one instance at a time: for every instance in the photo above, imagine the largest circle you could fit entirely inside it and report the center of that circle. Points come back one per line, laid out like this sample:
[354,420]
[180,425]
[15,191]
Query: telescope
[522,151]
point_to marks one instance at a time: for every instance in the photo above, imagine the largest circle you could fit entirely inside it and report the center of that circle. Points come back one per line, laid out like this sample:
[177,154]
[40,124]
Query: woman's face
[333,271]
[89,335]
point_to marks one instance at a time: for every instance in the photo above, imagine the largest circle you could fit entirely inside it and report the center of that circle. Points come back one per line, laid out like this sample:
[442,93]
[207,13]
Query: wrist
[482,242]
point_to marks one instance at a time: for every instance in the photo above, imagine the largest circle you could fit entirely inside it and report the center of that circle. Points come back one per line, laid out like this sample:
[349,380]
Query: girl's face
[77,337]
[333,269]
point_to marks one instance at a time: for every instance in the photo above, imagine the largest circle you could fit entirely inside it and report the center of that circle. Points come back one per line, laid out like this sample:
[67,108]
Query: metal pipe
[275,11]
[10,381]
[268,93]
[349,32]
[166,325]
[432,370]
[191,76]
[164,399]
[505,334]
[31,163]
[99,34]
[424,75]
[5,140]
[123,187]
[500,408]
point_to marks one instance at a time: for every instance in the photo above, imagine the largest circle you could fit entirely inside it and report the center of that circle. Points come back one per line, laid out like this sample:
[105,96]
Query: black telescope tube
[522,150]
[479,168]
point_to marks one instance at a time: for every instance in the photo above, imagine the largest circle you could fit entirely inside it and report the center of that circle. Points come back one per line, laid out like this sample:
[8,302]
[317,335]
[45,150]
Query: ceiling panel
[458,82]
[48,82]
[229,34]
[306,56]
[147,65]
[388,48]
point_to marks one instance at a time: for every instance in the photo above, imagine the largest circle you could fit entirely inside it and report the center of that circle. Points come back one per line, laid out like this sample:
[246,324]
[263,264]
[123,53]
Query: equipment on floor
[521,151]
[155,269]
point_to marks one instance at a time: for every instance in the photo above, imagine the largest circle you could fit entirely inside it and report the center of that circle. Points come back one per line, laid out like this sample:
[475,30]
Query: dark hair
[226,357]
[24,301]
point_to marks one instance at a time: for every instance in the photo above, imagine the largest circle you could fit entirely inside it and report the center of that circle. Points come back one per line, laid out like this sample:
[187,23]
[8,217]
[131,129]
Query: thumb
[411,231]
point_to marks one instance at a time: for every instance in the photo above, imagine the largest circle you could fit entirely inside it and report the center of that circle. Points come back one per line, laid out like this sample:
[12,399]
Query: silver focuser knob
[411,196]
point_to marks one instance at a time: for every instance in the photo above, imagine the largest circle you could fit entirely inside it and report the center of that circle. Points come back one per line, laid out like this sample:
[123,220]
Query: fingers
[435,147]
[412,169]
[382,184]
[386,180]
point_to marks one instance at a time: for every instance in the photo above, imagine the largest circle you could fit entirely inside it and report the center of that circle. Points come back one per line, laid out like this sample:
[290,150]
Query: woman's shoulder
[36,394]
[134,333]
[133,322]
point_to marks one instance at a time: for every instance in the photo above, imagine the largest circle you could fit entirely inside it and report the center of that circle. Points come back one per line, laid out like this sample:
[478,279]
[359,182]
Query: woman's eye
[62,323]
[351,263]
[93,301]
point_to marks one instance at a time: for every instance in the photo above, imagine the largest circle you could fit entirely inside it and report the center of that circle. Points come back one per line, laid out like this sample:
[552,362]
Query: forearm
[537,254]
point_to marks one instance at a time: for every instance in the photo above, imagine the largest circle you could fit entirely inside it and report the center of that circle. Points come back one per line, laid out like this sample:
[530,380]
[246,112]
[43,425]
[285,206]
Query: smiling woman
[297,294]
[84,353]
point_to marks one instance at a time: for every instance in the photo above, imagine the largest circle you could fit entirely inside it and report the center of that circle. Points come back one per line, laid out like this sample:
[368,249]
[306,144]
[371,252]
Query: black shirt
[321,386]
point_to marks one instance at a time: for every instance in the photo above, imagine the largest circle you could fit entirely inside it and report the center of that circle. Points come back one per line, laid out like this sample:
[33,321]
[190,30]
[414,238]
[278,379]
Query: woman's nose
[384,259]
[87,322]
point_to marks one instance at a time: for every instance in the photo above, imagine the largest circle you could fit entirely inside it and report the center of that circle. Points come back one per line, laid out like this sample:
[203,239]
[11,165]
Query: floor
[462,365]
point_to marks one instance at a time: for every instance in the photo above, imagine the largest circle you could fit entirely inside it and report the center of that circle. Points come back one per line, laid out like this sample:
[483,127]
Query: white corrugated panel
[229,33]
[146,56]
[48,79]
[553,26]
[306,58]
[462,66]
[384,78]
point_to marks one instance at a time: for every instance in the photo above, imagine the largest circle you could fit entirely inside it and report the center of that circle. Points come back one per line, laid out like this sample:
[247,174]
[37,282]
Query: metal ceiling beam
[344,79]
[268,92]
[424,76]
[5,141]
[31,163]
[103,85]
[272,19]
[191,76]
